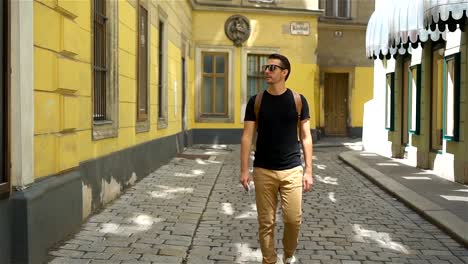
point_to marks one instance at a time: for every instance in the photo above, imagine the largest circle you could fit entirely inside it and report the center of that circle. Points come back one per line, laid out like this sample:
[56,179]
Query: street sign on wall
[300,28]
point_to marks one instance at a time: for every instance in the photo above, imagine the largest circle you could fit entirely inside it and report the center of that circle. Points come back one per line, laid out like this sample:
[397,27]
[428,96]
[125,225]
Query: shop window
[390,101]
[436,99]
[4,100]
[414,100]
[255,76]
[451,97]
[105,75]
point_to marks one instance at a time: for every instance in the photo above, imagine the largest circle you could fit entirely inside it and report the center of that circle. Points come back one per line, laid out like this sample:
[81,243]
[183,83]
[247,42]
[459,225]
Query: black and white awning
[397,27]
[408,25]
[446,14]
[378,34]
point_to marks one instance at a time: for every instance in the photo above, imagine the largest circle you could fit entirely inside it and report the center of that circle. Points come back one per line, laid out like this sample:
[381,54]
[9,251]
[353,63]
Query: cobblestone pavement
[193,211]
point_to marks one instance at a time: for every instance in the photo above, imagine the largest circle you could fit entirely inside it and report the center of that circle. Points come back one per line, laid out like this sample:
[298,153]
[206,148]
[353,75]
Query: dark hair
[284,62]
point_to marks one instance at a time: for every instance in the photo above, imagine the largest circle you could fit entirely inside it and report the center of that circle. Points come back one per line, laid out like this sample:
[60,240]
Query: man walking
[277,115]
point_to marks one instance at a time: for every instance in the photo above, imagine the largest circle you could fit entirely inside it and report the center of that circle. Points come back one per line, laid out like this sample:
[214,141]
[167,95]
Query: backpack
[297,102]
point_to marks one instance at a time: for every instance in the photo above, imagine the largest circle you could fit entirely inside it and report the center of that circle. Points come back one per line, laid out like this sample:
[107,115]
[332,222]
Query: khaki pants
[289,185]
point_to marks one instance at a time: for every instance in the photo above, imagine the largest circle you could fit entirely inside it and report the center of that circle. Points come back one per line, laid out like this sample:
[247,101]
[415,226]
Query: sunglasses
[271,67]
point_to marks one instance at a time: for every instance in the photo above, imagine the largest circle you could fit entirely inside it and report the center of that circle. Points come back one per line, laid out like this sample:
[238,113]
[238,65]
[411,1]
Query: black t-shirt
[277,145]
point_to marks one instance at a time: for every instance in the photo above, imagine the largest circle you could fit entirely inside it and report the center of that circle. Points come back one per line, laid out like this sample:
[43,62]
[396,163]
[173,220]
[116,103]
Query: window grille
[99,60]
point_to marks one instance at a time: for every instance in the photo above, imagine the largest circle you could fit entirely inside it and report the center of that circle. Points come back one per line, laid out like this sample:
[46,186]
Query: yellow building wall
[267,31]
[63,74]
[63,81]
[361,93]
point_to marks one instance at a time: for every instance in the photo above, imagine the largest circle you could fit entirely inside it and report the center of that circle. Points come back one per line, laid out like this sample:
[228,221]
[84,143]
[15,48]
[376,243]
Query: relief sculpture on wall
[237,29]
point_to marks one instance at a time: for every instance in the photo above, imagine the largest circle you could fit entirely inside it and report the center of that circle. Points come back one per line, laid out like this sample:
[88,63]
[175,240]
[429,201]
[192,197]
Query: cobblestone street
[193,210]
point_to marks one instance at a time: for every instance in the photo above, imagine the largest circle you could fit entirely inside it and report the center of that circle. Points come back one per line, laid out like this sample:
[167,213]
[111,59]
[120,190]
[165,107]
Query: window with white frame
[105,70]
[452,97]
[214,85]
[414,87]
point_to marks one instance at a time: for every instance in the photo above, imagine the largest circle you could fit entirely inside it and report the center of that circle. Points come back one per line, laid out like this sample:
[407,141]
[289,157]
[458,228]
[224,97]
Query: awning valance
[442,13]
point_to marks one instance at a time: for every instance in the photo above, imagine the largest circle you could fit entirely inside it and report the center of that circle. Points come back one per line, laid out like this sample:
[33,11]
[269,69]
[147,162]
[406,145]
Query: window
[338,8]
[99,60]
[436,98]
[214,94]
[451,96]
[390,101]
[414,93]
[252,78]
[161,93]
[255,77]
[214,87]
[105,73]
[142,91]
[162,72]
[4,99]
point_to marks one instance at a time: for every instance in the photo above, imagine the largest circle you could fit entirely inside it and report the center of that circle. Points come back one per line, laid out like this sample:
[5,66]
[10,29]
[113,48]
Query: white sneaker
[290,260]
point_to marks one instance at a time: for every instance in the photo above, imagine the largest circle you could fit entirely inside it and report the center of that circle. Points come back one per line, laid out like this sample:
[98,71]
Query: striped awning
[442,14]
[378,34]
[408,25]
[397,27]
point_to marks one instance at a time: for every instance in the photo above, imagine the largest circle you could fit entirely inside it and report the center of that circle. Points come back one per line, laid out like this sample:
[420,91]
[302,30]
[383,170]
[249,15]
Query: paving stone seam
[367,171]
[190,247]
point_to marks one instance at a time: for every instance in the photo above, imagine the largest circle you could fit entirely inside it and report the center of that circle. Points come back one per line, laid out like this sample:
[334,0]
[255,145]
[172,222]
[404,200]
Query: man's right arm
[246,143]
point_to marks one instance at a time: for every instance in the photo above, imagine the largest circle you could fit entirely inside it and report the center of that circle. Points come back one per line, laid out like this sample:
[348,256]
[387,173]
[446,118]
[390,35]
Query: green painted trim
[392,102]
[456,58]
[418,98]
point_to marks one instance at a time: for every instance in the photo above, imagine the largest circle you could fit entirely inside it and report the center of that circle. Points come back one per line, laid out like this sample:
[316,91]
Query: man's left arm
[306,140]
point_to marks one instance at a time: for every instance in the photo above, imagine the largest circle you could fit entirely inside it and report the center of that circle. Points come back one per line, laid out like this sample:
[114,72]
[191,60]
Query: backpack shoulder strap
[258,102]
[298,103]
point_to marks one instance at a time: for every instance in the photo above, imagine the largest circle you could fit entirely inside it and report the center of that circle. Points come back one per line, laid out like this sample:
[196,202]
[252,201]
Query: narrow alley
[193,210]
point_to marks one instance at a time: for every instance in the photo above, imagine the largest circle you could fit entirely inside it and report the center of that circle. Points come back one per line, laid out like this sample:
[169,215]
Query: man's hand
[307,181]
[245,179]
